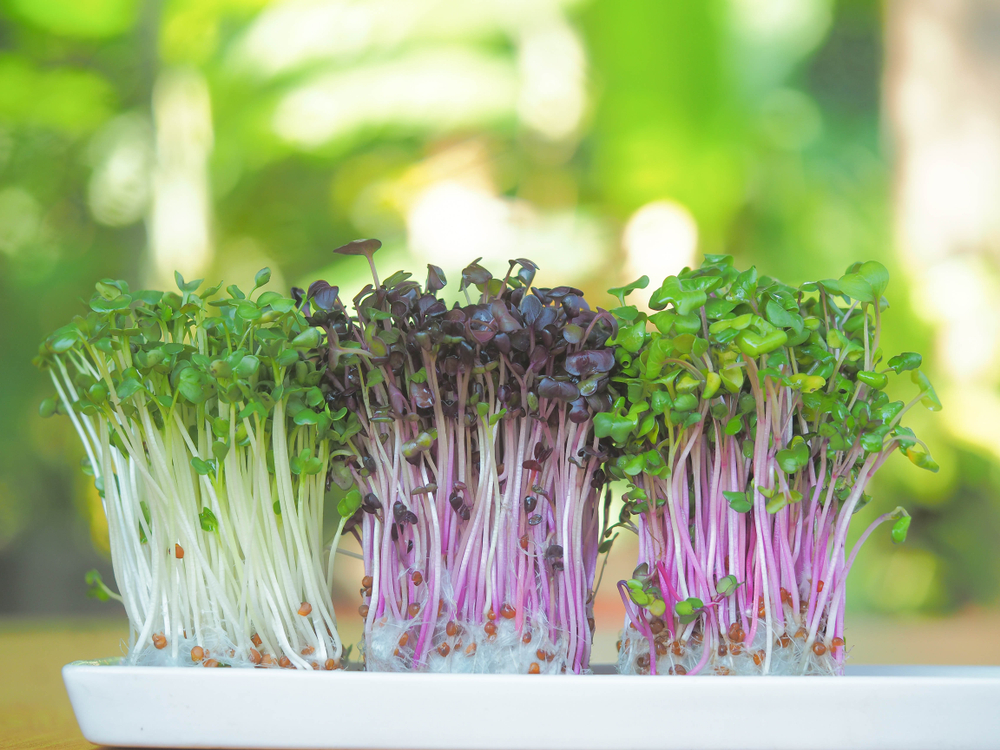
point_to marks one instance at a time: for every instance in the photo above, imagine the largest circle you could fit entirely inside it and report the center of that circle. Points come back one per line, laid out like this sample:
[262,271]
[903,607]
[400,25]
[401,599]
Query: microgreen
[747,419]
[202,428]
[475,461]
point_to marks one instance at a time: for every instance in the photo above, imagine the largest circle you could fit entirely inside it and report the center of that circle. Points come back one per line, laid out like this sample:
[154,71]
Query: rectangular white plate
[872,707]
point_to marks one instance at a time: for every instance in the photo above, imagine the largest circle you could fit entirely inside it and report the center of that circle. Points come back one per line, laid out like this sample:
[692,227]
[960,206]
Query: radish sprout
[751,419]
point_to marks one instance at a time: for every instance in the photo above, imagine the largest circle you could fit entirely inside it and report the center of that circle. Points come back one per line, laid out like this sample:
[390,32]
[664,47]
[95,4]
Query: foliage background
[600,137]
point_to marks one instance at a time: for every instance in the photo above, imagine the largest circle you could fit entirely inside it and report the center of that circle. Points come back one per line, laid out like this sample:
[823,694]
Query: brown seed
[618,645]
[440,607]
[403,639]
[722,650]
[284,662]
[314,665]
[801,634]
[526,638]
[722,671]
[159,640]
[255,639]
[444,649]
[736,649]
[534,668]
[305,608]
[758,657]
[656,625]
[451,628]
[784,641]
[266,659]
[490,628]
[210,663]
[491,615]
[643,661]
[549,656]
[540,653]
[308,650]
[470,650]
[254,656]
[836,644]
[677,648]
[786,597]
[197,653]
[819,586]
[818,648]
[178,552]
[417,578]
[524,542]
[330,665]
[367,582]
[678,669]
[363,610]
[507,612]
[661,649]
[413,610]
[458,645]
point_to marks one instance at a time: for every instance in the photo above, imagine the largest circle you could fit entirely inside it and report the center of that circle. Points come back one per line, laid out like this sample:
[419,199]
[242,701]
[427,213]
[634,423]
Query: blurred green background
[604,139]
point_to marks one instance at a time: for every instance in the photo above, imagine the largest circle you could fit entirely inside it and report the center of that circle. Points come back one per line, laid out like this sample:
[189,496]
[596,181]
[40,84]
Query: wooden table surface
[35,711]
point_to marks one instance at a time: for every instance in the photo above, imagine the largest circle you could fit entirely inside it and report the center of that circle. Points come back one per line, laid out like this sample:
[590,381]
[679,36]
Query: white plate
[872,707]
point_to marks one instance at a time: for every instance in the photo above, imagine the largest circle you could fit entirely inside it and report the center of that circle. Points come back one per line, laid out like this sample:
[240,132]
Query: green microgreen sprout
[209,441]
[748,418]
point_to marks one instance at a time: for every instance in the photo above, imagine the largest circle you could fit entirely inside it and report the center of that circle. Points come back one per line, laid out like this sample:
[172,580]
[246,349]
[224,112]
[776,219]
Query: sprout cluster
[471,444]
[209,439]
[750,419]
[476,461]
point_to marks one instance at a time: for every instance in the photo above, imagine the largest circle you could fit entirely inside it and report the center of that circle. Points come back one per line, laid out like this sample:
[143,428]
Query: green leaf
[248,311]
[930,398]
[208,520]
[128,388]
[779,316]
[688,606]
[905,361]
[263,276]
[657,607]
[922,460]
[726,586]
[48,407]
[247,366]
[899,529]
[738,501]
[621,292]
[776,504]
[306,417]
[96,588]
[308,339]
[867,284]
[876,380]
[202,467]
[186,286]
[684,300]
[754,345]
